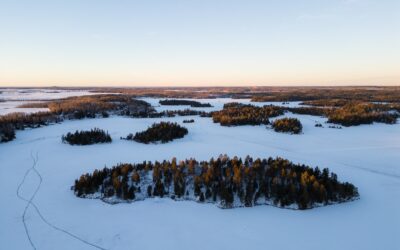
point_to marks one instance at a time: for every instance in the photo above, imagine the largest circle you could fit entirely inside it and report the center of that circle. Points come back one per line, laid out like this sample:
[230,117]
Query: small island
[188,121]
[227,182]
[92,136]
[287,125]
[236,114]
[159,132]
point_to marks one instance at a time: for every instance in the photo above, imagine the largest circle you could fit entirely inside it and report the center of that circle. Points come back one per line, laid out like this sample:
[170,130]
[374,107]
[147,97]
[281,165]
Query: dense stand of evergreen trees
[287,125]
[163,132]
[92,136]
[343,112]
[22,120]
[353,114]
[188,121]
[171,113]
[7,133]
[92,106]
[230,182]
[366,94]
[234,114]
[315,111]
[19,121]
[193,104]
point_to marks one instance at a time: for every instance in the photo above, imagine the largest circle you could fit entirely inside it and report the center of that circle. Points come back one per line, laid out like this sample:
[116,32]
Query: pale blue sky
[203,42]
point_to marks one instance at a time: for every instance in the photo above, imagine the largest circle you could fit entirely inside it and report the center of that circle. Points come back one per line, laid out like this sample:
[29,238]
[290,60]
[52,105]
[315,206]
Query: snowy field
[11,98]
[367,156]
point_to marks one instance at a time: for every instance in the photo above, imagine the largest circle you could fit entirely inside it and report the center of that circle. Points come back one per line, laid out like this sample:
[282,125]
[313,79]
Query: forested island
[287,125]
[236,114]
[159,132]
[92,136]
[228,182]
[191,103]
[188,121]
[350,113]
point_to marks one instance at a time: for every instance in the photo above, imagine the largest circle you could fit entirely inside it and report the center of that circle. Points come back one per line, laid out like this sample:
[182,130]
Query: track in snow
[30,203]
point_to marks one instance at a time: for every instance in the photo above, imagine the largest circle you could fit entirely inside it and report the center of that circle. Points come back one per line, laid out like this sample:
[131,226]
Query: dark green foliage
[188,121]
[7,133]
[369,94]
[87,137]
[18,121]
[171,113]
[193,104]
[224,180]
[309,111]
[163,131]
[287,125]
[353,114]
[23,120]
[235,114]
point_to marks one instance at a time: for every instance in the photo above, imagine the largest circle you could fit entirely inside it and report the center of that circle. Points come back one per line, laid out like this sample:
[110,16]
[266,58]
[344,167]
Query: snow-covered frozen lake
[11,98]
[367,156]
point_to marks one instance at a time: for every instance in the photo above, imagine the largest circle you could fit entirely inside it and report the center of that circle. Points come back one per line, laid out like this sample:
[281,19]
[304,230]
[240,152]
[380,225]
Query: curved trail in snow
[29,202]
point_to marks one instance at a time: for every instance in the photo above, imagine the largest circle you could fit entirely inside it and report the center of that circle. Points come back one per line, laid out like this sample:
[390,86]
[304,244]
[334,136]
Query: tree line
[229,182]
[236,114]
[171,113]
[191,103]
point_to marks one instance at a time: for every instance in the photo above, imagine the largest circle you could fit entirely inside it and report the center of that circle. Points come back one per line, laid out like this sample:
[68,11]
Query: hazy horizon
[199,43]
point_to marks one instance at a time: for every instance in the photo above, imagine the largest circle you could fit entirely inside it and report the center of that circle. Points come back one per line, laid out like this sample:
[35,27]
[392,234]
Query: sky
[199,42]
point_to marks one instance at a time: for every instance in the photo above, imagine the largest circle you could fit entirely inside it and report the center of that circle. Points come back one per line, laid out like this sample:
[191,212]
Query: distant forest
[193,104]
[236,114]
[350,114]
[346,106]
[228,182]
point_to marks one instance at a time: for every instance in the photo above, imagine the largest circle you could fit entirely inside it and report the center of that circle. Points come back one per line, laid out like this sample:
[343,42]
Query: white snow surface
[11,98]
[8,107]
[26,94]
[367,156]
